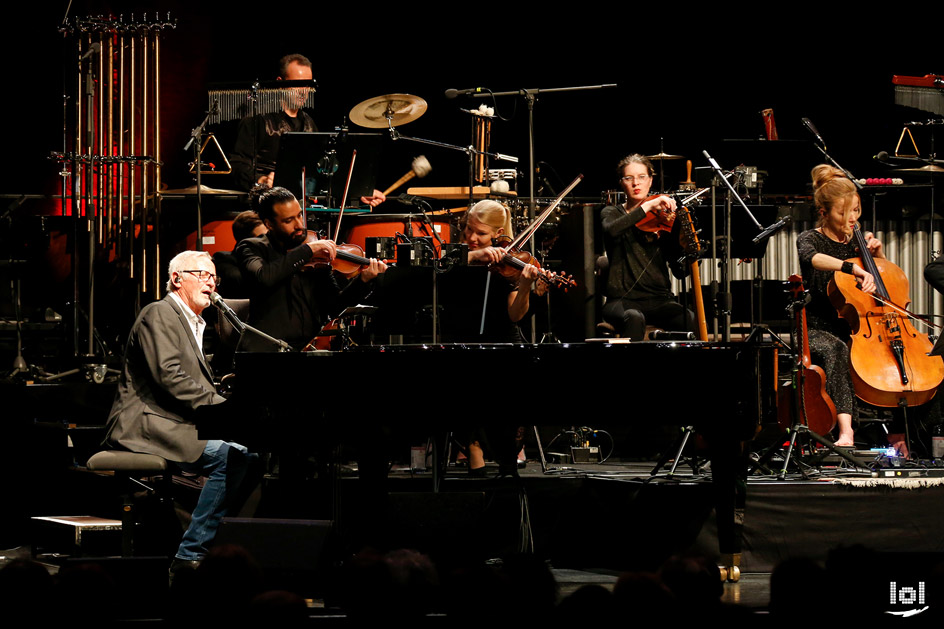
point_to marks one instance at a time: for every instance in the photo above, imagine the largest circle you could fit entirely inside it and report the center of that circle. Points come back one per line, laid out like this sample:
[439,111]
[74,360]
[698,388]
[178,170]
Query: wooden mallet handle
[419,168]
[399,182]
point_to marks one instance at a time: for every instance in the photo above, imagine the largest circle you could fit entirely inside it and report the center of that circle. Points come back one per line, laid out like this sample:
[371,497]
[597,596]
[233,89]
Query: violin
[662,220]
[349,260]
[658,220]
[330,337]
[514,260]
[888,356]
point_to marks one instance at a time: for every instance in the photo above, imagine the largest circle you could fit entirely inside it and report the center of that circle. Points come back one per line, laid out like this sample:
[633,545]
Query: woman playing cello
[822,252]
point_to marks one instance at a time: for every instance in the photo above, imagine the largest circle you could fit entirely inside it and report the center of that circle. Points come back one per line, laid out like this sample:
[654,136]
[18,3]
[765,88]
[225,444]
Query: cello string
[869,261]
[907,314]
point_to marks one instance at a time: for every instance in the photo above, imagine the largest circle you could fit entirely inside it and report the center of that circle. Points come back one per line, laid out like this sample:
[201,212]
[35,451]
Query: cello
[888,356]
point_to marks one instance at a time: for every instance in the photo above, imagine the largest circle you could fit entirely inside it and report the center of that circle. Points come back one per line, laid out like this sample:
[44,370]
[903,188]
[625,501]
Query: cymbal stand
[929,164]
[19,363]
[196,141]
[530,98]
[470,151]
[725,296]
[548,336]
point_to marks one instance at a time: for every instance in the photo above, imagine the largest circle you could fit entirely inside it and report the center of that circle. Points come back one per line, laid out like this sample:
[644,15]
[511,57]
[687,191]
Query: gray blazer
[165,377]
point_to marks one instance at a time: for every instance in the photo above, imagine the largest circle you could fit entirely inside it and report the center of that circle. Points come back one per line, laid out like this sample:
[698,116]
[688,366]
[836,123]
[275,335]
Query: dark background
[692,77]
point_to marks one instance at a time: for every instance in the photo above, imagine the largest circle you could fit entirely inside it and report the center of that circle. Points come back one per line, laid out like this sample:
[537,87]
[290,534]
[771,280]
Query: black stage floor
[619,517]
[589,522]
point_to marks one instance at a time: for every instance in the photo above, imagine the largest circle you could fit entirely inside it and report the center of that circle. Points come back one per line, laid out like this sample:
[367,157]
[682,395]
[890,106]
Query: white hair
[181,261]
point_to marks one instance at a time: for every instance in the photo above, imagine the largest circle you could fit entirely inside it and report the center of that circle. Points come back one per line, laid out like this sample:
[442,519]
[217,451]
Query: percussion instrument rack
[110,158]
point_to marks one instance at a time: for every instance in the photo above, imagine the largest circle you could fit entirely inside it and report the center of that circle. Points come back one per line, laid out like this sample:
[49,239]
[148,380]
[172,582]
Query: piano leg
[729,480]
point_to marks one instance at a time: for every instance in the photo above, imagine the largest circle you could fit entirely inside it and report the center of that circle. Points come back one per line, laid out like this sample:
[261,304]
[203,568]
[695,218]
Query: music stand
[325,159]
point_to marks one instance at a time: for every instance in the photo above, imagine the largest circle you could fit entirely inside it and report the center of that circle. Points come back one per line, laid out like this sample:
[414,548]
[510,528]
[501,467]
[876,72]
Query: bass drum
[377,233]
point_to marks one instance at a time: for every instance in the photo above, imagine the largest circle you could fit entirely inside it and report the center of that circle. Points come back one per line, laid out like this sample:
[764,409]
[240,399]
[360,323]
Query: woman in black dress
[823,252]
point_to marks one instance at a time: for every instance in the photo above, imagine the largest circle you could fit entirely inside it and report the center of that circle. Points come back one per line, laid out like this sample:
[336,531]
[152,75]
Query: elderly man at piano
[165,378]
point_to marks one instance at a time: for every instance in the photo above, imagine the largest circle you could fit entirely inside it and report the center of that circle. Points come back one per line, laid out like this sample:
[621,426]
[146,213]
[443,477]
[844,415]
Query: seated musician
[485,222]
[507,303]
[638,289]
[287,299]
[164,379]
[246,225]
[934,274]
[823,252]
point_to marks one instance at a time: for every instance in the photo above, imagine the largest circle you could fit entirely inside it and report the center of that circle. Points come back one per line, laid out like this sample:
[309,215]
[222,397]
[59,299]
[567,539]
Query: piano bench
[128,468]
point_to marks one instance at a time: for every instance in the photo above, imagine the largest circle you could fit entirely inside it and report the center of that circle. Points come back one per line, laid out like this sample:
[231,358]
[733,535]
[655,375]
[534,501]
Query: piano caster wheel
[731,574]
[730,568]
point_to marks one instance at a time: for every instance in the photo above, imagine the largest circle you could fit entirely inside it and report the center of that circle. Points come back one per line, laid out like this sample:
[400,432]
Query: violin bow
[859,238]
[529,231]
[908,313]
[347,186]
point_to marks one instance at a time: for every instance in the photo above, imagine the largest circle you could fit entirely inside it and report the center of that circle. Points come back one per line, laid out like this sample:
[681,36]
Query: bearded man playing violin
[638,288]
[287,299]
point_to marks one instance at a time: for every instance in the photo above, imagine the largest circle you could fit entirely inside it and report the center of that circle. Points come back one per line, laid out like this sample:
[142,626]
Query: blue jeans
[225,465]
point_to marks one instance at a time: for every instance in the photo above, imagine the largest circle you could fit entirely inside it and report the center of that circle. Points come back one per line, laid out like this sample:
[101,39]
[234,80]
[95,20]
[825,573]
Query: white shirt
[197,324]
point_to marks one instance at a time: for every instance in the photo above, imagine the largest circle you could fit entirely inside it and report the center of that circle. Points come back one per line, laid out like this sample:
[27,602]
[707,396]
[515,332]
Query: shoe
[179,566]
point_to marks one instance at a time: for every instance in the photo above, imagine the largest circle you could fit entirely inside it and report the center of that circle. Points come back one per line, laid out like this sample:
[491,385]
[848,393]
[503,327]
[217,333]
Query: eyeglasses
[203,276]
[639,178]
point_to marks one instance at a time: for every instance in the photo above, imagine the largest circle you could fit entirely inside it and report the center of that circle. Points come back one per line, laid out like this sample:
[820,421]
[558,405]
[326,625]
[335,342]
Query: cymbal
[400,108]
[933,168]
[665,156]
[203,190]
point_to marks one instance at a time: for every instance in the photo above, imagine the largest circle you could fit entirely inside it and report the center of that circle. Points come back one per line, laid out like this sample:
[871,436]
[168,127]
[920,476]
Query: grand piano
[725,390]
